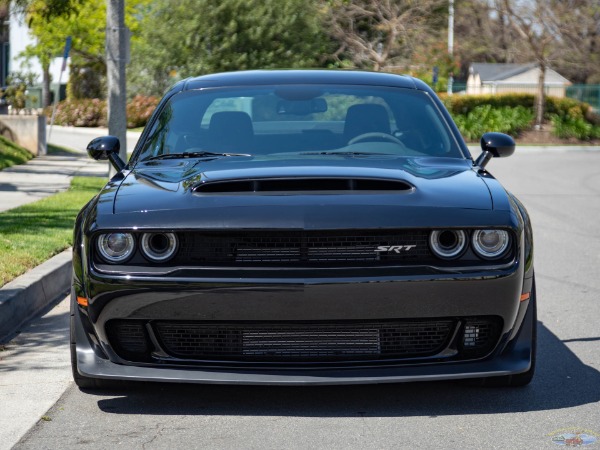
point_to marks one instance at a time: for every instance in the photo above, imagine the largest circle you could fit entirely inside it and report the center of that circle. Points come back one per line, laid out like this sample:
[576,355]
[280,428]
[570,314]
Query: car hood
[172,184]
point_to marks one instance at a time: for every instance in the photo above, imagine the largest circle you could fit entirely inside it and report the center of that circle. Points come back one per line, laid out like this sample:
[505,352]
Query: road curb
[27,295]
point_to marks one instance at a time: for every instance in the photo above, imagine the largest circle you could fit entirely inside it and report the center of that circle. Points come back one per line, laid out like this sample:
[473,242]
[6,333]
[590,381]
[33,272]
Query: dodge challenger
[302,227]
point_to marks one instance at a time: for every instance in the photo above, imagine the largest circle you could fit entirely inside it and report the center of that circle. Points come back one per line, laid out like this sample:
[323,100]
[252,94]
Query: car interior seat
[230,131]
[366,118]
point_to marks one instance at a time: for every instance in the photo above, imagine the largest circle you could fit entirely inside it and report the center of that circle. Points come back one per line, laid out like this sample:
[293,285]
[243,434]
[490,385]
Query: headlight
[448,244]
[490,244]
[116,247]
[159,247]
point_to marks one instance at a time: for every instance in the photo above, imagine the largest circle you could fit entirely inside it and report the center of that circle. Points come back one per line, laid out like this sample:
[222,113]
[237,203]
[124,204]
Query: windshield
[307,119]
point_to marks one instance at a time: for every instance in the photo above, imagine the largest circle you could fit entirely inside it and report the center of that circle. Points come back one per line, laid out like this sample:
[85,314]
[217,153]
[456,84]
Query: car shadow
[562,381]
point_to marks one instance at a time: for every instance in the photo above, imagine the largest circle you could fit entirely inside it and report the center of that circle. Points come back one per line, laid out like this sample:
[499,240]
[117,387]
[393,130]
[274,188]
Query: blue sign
[67,47]
[66,53]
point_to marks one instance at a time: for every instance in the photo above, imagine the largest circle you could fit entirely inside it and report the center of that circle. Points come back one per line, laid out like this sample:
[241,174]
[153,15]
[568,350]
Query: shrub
[139,110]
[88,112]
[464,104]
[475,114]
[566,127]
[92,112]
[504,119]
[565,107]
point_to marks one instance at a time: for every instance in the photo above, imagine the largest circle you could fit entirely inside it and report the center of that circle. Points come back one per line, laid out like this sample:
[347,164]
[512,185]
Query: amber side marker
[82,301]
[524,297]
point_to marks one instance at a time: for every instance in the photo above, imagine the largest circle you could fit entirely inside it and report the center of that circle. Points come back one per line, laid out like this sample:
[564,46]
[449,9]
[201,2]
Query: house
[490,78]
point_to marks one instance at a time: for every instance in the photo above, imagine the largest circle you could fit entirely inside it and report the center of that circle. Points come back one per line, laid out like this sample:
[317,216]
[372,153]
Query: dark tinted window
[297,119]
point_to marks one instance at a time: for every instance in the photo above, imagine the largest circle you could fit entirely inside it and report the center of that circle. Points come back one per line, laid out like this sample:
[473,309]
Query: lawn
[12,154]
[59,150]
[32,233]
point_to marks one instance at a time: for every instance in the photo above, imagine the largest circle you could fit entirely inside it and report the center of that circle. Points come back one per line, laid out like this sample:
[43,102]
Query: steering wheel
[375,135]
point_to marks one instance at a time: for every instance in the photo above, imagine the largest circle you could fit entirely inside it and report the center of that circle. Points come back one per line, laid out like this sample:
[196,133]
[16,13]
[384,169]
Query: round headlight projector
[448,244]
[487,244]
[490,244]
[116,247]
[159,247]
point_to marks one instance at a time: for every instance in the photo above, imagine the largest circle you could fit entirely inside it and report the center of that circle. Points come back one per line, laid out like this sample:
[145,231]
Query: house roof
[499,71]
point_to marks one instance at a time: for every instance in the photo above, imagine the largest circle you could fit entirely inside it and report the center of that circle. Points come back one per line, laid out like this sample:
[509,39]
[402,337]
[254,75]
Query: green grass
[31,234]
[12,154]
[59,150]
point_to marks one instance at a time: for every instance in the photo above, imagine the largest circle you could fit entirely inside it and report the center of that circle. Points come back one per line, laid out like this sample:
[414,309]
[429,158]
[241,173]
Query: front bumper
[487,293]
[514,359]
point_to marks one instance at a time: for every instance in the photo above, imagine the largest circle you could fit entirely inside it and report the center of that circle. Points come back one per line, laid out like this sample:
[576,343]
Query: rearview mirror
[497,145]
[302,107]
[106,148]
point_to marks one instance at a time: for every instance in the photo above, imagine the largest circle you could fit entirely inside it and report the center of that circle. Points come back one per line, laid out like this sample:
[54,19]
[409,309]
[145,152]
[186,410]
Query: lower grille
[128,337]
[479,336]
[290,342]
[308,342]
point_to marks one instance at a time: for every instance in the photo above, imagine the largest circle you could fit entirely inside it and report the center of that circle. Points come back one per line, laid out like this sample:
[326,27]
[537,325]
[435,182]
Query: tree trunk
[540,97]
[115,67]
[46,86]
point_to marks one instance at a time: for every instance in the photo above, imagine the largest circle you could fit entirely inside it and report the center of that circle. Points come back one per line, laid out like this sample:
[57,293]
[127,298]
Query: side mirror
[106,148]
[497,145]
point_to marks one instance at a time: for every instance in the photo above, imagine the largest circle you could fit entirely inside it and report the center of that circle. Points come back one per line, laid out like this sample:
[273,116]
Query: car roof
[276,77]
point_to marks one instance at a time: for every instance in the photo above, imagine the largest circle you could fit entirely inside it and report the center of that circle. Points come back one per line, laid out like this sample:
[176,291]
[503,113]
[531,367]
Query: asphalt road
[562,192]
[79,138]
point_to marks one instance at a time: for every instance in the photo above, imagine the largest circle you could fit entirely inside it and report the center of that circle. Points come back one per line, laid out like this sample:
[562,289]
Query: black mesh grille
[128,337]
[304,341]
[255,248]
[479,335]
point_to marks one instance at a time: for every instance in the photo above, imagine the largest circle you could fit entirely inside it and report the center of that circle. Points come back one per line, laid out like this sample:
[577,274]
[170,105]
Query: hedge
[473,113]
[502,119]
[93,112]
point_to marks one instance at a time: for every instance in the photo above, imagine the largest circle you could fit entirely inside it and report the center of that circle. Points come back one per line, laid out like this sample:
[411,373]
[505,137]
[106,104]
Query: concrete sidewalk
[44,176]
[35,370]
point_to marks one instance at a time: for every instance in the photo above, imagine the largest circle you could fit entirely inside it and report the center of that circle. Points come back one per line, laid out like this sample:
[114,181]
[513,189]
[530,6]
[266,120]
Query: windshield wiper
[193,155]
[346,153]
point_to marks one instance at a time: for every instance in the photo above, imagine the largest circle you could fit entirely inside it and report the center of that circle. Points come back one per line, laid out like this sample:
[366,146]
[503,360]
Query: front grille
[306,342]
[289,342]
[307,248]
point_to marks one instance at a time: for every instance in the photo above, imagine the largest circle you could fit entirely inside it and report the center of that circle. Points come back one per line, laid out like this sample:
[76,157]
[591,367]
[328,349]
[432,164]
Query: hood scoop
[303,184]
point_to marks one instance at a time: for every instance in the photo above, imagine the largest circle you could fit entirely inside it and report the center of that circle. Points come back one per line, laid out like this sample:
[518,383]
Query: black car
[303,227]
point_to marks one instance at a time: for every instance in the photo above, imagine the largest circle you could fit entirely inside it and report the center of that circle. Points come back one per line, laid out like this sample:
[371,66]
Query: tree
[535,22]
[548,30]
[85,22]
[579,44]
[47,9]
[39,15]
[378,33]
[193,37]
[482,35]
